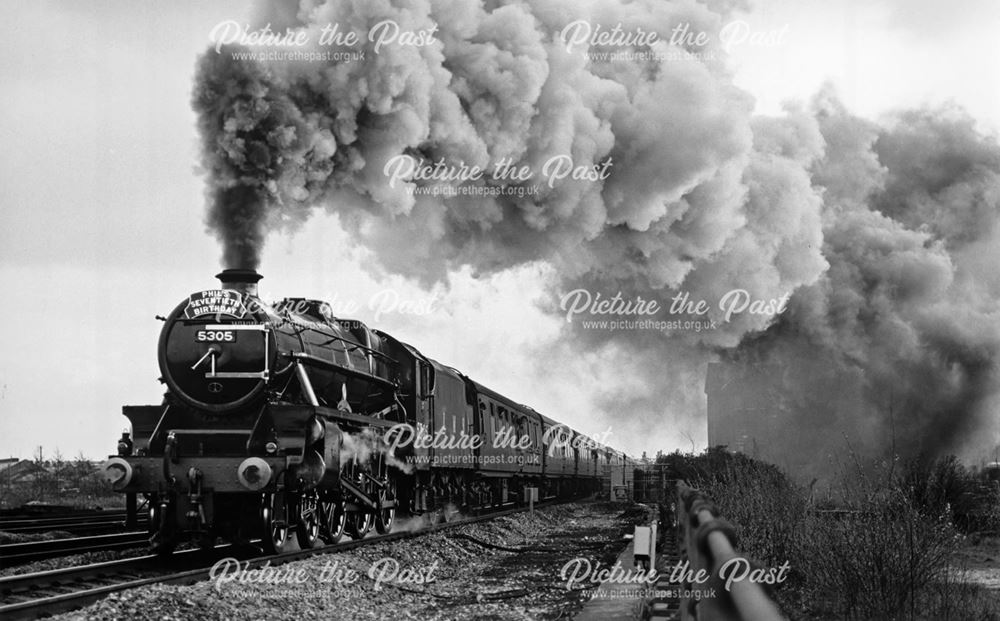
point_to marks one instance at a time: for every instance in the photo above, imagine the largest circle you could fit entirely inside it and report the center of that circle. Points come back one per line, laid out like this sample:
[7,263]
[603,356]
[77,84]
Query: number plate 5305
[215,336]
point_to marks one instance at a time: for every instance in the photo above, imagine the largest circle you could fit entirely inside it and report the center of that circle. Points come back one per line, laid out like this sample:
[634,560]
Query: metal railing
[708,546]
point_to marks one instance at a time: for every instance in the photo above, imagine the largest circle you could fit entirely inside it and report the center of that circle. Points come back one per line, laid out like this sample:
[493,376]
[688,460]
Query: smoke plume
[907,312]
[360,447]
[882,239]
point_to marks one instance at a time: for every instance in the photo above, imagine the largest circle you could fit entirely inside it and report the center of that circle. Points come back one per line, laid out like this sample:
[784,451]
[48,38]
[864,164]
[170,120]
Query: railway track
[19,553]
[30,596]
[85,524]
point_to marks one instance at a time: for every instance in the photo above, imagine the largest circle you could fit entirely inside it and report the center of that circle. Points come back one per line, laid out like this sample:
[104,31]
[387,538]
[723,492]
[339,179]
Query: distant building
[796,416]
[13,470]
[744,407]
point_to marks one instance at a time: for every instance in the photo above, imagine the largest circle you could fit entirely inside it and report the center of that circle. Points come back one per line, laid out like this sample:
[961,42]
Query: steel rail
[81,529]
[21,586]
[27,520]
[19,553]
[86,525]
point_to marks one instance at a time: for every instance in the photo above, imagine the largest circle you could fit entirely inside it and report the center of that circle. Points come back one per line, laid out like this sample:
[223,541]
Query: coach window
[493,419]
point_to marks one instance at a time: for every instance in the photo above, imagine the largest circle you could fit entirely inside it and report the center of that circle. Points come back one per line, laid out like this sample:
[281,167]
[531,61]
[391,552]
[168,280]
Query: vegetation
[880,545]
[56,480]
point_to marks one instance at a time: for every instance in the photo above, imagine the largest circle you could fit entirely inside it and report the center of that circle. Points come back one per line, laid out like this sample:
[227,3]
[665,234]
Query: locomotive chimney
[238,279]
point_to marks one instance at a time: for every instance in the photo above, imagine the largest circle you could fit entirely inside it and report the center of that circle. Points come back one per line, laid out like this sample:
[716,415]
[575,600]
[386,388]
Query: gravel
[507,568]
[6,538]
[74,560]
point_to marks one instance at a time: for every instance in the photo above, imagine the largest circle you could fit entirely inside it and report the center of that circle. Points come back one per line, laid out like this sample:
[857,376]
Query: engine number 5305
[215,336]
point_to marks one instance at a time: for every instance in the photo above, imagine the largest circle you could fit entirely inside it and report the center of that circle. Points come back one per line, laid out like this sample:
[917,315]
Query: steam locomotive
[284,423]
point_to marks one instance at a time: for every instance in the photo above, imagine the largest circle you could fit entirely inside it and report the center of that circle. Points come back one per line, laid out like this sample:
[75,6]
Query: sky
[102,209]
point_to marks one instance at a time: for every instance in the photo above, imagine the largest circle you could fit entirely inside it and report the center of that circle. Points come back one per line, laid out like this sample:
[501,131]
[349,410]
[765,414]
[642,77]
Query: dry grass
[886,555]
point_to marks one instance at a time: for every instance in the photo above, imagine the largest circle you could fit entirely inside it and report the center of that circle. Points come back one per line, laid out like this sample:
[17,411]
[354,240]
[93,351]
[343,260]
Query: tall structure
[744,407]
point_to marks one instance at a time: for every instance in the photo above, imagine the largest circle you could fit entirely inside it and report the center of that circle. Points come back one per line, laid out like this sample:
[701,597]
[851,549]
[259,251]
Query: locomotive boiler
[282,423]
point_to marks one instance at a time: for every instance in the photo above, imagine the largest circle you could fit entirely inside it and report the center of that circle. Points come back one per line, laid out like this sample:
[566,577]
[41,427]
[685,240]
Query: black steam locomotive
[283,421]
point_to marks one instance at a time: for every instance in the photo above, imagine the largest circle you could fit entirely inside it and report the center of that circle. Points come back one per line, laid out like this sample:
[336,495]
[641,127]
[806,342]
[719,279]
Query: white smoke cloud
[877,234]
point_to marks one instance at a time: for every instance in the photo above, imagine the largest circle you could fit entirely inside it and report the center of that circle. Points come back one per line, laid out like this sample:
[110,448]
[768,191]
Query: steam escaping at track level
[883,236]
